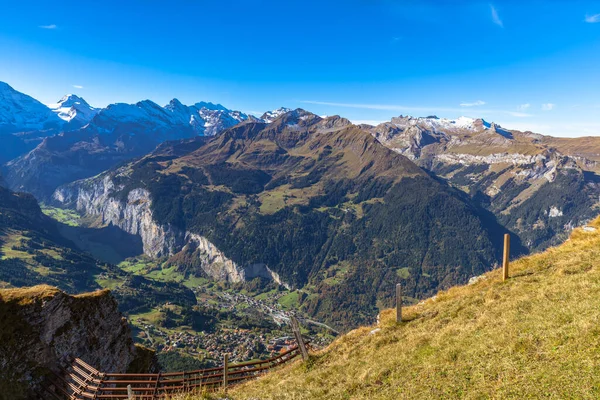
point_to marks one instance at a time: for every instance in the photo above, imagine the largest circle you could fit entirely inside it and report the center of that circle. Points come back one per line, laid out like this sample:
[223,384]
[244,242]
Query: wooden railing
[82,381]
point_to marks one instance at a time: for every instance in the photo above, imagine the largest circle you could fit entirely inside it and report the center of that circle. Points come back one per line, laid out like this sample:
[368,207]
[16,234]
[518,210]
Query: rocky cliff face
[42,328]
[133,214]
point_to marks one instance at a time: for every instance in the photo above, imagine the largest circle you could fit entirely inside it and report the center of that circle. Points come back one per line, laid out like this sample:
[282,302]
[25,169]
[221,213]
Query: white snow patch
[476,279]
[72,107]
[440,124]
[555,212]
[271,116]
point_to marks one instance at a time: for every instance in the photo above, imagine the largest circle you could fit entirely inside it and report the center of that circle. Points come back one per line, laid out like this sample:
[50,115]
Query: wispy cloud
[78,86]
[402,108]
[52,26]
[495,17]
[548,106]
[592,19]
[524,107]
[473,104]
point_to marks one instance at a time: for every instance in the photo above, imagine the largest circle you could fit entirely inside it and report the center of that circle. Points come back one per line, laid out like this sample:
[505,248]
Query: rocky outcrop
[98,197]
[537,186]
[216,265]
[43,328]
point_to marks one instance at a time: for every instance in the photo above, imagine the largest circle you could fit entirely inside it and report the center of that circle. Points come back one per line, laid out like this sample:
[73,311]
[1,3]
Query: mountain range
[538,186]
[336,211]
[70,140]
[312,203]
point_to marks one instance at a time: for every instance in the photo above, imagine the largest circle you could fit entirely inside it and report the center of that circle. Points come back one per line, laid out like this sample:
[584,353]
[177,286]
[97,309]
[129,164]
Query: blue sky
[524,64]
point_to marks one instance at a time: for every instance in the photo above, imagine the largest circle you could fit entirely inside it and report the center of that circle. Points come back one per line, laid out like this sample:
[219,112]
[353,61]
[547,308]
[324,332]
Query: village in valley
[270,335]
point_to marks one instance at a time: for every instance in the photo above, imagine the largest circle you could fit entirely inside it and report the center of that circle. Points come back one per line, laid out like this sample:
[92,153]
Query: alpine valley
[206,222]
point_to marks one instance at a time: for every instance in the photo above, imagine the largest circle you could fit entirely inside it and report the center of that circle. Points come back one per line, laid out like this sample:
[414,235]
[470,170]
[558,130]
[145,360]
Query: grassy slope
[536,335]
[587,147]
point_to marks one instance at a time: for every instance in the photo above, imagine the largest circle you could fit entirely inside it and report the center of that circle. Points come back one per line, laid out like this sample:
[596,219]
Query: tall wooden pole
[225,370]
[296,329]
[398,302]
[505,258]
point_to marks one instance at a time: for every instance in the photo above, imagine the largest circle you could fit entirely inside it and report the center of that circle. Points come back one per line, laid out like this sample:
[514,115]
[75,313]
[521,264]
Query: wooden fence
[82,381]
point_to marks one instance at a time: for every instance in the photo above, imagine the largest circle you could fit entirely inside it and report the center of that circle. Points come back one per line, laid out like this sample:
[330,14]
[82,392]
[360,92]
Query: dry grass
[28,294]
[535,336]
[94,294]
[588,147]
[284,196]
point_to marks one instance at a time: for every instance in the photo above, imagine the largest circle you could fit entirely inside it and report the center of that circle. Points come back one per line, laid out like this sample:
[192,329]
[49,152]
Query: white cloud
[496,17]
[475,103]
[592,19]
[548,106]
[524,107]
[52,26]
[78,86]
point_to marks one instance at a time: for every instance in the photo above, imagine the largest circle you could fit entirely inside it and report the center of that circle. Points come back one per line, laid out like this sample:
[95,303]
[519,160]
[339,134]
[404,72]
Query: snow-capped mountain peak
[271,116]
[144,113]
[20,112]
[210,106]
[436,124]
[205,118]
[73,110]
[175,103]
[71,100]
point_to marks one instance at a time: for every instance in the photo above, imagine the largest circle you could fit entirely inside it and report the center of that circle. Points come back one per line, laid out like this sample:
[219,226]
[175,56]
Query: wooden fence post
[398,303]
[298,335]
[505,258]
[129,392]
[225,370]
